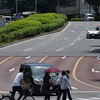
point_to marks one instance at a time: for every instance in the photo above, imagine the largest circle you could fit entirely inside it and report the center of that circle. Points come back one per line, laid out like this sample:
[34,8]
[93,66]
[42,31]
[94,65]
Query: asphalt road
[68,49]
[80,95]
[71,41]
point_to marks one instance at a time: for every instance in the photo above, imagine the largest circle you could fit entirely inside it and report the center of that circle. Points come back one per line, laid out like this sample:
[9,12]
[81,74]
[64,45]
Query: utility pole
[58,6]
[16,7]
[35,5]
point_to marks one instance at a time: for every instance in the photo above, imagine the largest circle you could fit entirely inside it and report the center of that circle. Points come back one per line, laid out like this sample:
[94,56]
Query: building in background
[76,8]
[72,8]
[4,10]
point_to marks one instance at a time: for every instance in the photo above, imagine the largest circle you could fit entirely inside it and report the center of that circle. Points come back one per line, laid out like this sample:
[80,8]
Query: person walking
[16,86]
[68,91]
[64,83]
[46,85]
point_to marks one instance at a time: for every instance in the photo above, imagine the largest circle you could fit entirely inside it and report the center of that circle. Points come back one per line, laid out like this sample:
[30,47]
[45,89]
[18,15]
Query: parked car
[93,32]
[88,17]
[19,16]
[14,18]
[33,76]
[7,19]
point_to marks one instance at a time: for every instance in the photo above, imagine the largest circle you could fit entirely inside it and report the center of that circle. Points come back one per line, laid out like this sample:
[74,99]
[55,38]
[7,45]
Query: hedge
[18,25]
[63,16]
[40,19]
[60,21]
[51,16]
[77,19]
[27,28]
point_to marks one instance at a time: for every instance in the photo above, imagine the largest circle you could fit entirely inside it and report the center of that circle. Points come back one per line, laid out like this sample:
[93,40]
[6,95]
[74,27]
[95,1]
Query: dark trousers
[68,92]
[17,89]
[69,95]
[64,95]
[47,92]
[47,97]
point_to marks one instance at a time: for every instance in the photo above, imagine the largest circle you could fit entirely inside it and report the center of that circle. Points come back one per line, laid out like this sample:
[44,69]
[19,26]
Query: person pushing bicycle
[16,86]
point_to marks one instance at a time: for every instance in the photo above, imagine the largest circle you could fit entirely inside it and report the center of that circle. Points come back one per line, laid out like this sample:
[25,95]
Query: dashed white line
[10,70]
[95,71]
[66,38]
[28,57]
[74,88]
[74,42]
[63,57]
[72,31]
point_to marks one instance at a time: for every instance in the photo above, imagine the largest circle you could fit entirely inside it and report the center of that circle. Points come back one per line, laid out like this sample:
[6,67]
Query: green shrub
[46,15]
[60,21]
[28,27]
[50,27]
[27,32]
[53,14]
[97,17]
[40,19]
[77,19]
[63,16]
[6,37]
[18,25]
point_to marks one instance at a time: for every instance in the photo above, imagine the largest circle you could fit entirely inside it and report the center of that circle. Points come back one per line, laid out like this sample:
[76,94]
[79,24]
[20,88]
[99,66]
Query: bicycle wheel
[28,98]
[5,98]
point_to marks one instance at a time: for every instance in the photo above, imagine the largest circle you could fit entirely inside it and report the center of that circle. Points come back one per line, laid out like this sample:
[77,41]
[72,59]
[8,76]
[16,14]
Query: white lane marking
[66,38]
[81,99]
[19,43]
[94,98]
[76,26]
[95,71]
[74,88]
[48,41]
[95,48]
[73,31]
[28,57]
[91,98]
[74,42]
[66,27]
[63,57]
[42,37]
[98,57]
[10,70]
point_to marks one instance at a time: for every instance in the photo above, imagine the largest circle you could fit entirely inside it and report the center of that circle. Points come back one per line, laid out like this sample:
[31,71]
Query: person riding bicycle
[16,86]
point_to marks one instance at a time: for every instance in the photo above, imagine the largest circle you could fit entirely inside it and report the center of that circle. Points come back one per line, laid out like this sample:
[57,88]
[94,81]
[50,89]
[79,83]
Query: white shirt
[65,83]
[18,79]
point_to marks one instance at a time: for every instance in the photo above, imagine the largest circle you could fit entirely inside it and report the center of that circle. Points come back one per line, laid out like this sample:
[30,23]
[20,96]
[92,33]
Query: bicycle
[27,95]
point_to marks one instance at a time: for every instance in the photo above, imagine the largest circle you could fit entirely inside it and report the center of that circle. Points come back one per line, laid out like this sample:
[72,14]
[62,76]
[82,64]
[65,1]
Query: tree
[48,3]
[95,5]
[22,5]
[52,4]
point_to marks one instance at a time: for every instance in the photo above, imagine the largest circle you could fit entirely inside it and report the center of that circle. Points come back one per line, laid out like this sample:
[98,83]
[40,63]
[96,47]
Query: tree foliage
[95,4]
[52,4]
[22,5]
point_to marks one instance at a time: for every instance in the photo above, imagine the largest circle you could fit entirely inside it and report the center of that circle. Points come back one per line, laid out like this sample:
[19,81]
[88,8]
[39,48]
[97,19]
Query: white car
[93,32]
[88,17]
